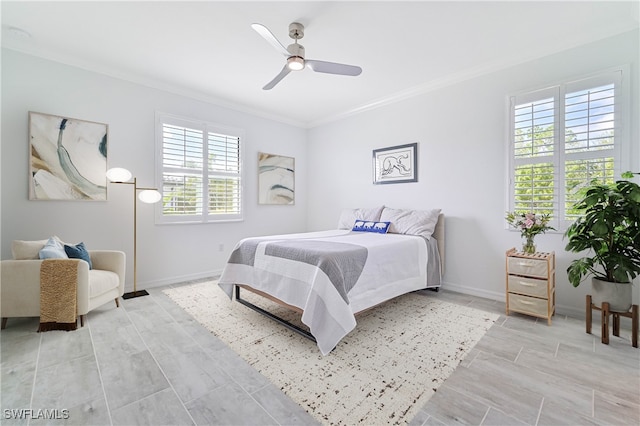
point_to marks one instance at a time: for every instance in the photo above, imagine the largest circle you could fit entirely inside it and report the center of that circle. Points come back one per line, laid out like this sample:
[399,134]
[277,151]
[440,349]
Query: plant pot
[617,294]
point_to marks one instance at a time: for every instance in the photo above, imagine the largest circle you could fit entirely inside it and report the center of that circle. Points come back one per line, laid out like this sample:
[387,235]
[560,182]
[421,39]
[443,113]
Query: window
[200,170]
[562,138]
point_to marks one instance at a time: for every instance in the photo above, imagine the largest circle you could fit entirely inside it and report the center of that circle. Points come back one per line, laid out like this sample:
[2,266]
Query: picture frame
[67,158]
[276,179]
[395,164]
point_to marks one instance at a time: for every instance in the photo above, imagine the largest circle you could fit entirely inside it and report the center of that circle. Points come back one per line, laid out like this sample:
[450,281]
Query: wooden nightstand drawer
[528,305]
[527,267]
[528,286]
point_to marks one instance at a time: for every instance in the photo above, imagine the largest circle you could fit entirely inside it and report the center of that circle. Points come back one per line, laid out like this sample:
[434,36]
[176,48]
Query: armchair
[20,284]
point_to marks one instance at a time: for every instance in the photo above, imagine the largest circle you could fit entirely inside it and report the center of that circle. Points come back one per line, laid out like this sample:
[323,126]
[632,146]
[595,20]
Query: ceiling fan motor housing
[296,49]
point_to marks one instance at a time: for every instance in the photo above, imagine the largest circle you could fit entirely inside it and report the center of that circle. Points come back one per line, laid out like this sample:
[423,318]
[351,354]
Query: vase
[529,247]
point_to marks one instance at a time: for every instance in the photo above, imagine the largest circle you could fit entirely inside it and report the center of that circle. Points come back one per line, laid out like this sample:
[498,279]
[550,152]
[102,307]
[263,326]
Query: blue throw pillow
[367,226]
[53,249]
[79,251]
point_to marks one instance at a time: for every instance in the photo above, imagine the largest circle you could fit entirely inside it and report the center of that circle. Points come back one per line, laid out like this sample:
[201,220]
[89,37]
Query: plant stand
[616,321]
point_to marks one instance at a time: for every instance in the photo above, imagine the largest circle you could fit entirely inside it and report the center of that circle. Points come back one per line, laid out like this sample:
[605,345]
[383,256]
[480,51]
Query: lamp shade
[118,174]
[149,196]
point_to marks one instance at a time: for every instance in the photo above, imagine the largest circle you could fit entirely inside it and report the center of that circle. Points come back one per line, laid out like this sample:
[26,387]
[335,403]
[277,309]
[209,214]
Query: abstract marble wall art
[68,158]
[276,179]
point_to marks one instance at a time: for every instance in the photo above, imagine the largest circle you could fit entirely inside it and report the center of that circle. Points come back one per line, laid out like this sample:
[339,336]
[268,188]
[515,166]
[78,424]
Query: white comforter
[395,264]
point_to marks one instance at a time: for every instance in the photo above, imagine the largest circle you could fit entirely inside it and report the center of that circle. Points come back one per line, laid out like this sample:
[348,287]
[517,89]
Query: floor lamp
[146,195]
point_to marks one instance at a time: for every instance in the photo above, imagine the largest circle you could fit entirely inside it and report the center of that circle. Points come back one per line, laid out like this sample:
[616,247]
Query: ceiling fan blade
[277,78]
[332,67]
[268,35]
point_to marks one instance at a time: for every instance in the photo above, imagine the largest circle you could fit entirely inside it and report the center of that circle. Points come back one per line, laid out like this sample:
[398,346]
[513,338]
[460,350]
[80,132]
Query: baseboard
[499,296]
[178,279]
[478,292]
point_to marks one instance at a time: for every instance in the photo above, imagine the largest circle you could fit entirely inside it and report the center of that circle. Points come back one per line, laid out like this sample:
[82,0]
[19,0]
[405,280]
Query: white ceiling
[208,50]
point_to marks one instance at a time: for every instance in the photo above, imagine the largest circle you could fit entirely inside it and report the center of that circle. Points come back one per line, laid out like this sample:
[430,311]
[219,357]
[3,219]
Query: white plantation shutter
[590,136]
[182,177]
[561,138]
[534,141]
[224,174]
[200,171]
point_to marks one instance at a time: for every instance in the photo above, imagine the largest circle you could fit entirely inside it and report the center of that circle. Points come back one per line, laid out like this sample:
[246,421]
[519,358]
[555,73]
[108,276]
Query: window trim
[621,151]
[207,127]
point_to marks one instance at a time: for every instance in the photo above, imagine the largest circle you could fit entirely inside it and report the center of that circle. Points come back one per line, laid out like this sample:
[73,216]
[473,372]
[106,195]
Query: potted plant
[610,230]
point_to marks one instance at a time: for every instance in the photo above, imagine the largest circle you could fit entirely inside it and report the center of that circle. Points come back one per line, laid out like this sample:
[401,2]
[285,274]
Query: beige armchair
[20,284]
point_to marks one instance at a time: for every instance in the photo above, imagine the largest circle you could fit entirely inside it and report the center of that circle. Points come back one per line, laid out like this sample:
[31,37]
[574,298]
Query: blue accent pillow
[53,249]
[368,226]
[79,251]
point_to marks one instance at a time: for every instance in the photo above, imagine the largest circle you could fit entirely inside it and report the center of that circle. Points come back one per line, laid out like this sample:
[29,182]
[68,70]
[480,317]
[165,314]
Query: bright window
[200,167]
[561,139]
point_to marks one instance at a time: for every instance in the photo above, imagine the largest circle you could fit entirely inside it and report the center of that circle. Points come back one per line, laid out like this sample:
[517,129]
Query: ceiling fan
[295,55]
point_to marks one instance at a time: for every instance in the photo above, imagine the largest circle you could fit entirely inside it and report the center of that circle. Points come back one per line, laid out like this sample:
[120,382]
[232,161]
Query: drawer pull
[524,302]
[527,264]
[526,284]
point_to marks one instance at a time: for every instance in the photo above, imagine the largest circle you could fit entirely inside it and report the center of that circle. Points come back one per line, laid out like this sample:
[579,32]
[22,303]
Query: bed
[331,276]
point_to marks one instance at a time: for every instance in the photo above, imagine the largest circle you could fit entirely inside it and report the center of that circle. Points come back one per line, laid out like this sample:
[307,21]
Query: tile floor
[150,363]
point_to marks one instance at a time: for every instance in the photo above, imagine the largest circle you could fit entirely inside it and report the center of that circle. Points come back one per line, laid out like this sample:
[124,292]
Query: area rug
[383,372]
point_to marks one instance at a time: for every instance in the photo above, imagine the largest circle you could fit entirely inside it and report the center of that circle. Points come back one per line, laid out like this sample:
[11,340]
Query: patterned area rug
[383,372]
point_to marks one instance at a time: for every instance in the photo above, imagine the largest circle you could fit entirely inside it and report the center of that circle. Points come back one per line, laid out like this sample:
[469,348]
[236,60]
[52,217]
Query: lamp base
[133,294]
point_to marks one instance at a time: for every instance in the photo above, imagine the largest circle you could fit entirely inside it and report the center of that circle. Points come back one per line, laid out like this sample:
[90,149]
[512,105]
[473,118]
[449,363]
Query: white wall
[461,131]
[166,253]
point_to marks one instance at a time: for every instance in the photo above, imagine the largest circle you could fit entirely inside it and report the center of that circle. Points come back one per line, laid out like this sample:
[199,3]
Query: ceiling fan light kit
[295,63]
[296,56]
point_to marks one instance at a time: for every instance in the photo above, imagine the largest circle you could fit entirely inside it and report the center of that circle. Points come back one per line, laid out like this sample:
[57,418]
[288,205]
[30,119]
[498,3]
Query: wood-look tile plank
[158,409]
[94,413]
[59,346]
[612,410]
[229,405]
[130,378]
[586,368]
[19,344]
[282,408]
[452,407]
[190,370]
[16,385]
[498,418]
[67,384]
[419,419]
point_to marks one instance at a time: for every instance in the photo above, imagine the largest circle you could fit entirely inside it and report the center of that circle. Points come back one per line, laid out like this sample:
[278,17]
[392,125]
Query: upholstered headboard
[438,234]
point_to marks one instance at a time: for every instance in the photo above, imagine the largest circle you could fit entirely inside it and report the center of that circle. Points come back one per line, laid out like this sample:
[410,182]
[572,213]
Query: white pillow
[349,216]
[25,250]
[412,222]
[53,249]
[28,250]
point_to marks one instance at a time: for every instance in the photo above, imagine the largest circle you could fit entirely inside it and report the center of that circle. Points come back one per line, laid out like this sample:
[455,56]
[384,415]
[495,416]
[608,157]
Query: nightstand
[531,283]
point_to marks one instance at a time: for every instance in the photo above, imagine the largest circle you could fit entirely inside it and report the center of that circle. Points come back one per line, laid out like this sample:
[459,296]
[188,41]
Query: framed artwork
[396,164]
[276,179]
[67,158]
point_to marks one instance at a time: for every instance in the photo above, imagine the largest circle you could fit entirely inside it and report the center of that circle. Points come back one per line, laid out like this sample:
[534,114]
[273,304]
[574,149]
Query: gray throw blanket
[341,262]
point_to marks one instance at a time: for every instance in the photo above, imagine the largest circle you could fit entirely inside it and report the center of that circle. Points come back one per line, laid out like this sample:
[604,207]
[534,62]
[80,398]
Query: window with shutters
[200,170]
[561,139]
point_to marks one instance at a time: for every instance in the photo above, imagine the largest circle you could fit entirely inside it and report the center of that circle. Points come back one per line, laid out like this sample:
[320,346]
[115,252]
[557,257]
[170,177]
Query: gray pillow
[412,222]
[349,216]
